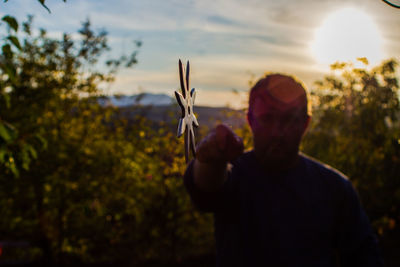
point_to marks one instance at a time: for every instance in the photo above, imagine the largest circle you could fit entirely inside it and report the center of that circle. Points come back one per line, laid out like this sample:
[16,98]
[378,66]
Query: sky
[229,43]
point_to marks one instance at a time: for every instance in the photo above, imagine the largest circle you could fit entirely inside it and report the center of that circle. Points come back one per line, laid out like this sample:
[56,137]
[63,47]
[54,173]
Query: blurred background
[90,166]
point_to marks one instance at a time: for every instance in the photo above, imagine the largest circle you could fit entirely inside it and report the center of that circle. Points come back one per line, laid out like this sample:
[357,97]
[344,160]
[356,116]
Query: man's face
[277,128]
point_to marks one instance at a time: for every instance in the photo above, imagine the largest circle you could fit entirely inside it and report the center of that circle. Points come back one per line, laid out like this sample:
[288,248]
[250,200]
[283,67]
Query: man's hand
[219,147]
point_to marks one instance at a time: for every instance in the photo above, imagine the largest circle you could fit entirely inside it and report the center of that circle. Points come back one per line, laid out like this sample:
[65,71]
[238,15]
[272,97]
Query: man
[274,206]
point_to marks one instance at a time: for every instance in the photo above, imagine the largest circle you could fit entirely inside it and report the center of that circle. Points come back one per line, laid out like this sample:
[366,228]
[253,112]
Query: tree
[11,146]
[106,188]
[356,128]
[41,97]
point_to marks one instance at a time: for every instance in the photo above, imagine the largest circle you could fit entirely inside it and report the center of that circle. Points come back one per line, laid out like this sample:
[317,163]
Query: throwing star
[188,119]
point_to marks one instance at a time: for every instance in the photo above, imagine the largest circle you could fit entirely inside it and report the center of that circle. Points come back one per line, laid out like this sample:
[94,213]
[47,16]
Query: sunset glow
[229,43]
[345,35]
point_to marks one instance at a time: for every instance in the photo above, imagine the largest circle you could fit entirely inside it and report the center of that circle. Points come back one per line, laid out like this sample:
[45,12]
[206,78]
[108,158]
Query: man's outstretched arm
[206,175]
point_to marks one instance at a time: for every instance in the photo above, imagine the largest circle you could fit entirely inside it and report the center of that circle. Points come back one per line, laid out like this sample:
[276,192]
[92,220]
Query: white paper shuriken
[188,119]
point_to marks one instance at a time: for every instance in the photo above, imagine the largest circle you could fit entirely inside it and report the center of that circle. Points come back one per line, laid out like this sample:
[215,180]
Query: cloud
[227,42]
[221,20]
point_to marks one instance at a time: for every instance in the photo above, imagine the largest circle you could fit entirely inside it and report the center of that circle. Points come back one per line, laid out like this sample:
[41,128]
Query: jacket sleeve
[208,201]
[357,243]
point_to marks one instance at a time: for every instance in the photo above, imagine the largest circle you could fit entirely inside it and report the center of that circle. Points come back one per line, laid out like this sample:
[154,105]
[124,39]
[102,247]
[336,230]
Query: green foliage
[84,183]
[8,133]
[9,141]
[93,186]
[42,2]
[11,21]
[356,129]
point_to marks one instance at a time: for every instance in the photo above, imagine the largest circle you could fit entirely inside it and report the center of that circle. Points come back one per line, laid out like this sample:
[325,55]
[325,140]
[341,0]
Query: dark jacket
[309,215]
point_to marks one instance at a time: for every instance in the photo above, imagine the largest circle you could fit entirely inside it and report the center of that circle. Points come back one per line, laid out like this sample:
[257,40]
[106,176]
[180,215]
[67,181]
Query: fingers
[207,150]
[221,134]
[234,148]
[220,145]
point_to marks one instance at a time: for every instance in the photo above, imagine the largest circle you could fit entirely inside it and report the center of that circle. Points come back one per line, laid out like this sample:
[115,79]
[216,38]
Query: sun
[346,35]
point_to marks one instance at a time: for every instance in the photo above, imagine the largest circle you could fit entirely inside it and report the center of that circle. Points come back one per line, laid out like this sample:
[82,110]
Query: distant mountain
[163,108]
[144,99]
[206,116]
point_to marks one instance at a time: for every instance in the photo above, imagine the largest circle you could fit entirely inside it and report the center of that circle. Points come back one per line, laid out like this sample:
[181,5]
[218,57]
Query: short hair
[284,88]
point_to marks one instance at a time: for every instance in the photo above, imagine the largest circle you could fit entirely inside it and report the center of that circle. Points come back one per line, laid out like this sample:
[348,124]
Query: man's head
[278,117]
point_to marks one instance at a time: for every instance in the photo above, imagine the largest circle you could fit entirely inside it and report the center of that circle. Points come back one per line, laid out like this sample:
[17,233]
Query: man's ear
[249,118]
[306,123]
